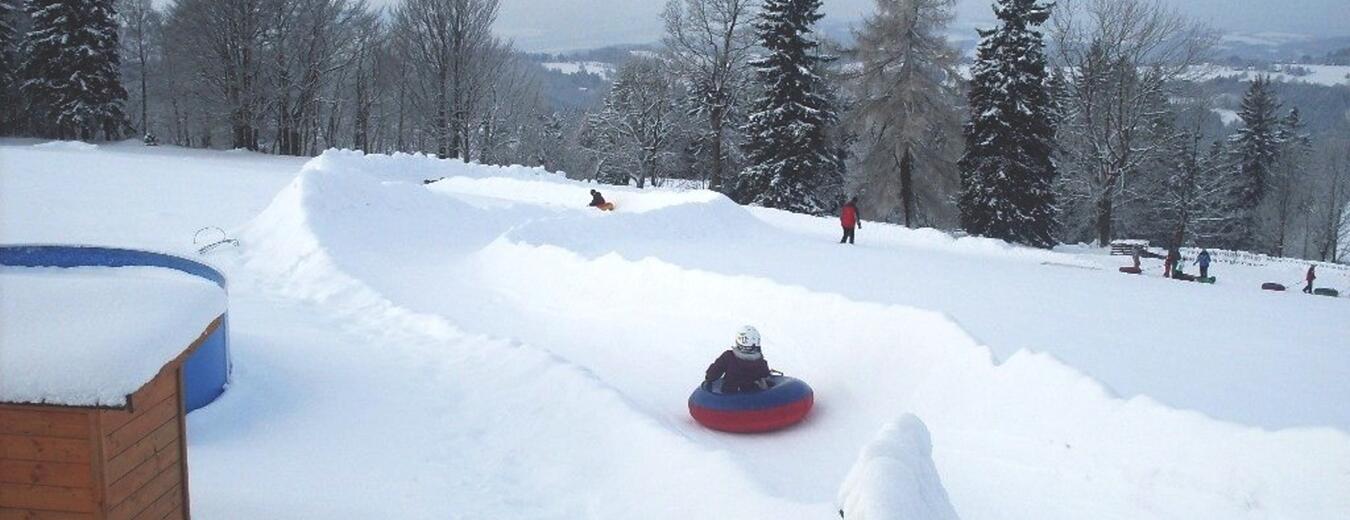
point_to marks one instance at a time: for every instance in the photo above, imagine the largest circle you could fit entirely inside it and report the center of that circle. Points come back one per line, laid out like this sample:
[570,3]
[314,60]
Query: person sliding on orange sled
[598,201]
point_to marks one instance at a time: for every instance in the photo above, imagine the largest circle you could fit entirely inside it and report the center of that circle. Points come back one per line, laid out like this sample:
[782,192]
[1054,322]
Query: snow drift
[895,479]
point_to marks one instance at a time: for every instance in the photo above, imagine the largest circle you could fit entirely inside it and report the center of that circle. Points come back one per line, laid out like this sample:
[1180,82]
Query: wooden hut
[114,463]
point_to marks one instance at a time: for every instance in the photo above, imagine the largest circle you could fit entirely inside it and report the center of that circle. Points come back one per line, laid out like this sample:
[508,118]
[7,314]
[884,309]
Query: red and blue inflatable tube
[784,403]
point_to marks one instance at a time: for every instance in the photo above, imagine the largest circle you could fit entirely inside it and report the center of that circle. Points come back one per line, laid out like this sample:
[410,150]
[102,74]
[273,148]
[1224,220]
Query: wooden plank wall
[146,470]
[45,463]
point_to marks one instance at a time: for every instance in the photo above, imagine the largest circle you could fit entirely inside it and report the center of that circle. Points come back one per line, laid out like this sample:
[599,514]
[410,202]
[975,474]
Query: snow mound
[661,222]
[895,478]
[68,146]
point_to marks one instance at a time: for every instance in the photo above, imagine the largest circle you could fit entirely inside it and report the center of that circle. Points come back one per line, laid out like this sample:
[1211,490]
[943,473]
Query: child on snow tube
[742,368]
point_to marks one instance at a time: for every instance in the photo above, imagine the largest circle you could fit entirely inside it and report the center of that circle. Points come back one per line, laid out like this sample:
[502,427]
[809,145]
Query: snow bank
[90,336]
[895,479]
[67,146]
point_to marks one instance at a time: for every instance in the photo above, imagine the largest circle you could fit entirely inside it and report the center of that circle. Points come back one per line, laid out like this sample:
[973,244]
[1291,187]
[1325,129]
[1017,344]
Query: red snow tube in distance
[785,403]
[1272,286]
[1131,270]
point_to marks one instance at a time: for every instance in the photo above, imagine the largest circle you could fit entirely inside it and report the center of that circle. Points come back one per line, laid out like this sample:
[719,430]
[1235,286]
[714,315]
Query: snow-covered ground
[487,347]
[599,68]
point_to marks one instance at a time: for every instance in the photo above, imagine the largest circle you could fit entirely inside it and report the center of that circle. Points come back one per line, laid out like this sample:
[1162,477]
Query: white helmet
[747,343]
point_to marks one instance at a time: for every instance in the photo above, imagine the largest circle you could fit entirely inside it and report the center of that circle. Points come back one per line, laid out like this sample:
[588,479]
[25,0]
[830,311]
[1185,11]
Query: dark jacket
[597,200]
[1203,259]
[1312,273]
[738,375]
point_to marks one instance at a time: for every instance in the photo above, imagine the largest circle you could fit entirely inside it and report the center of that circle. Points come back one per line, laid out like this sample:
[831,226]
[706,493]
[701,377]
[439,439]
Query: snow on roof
[89,336]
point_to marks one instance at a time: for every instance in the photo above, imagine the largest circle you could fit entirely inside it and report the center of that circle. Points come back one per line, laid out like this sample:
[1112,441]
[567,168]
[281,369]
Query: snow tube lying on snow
[1272,286]
[1326,291]
[1131,270]
[1206,279]
[783,404]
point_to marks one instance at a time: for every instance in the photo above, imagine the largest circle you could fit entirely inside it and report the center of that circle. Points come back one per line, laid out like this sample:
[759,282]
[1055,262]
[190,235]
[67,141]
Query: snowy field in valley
[1327,75]
[486,346]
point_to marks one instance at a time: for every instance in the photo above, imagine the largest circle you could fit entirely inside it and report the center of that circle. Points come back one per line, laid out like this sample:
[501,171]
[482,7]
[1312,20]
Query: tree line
[1076,121]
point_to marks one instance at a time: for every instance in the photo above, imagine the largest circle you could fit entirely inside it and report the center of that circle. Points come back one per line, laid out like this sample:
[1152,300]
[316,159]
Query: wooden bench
[1127,247]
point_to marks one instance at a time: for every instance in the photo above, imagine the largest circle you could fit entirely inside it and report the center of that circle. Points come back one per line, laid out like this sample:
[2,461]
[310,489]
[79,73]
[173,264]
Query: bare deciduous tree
[443,37]
[709,43]
[1120,59]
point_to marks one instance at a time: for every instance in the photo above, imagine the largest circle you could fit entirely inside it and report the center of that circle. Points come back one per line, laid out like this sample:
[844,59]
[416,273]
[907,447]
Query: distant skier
[742,368]
[598,201]
[1312,275]
[1203,262]
[850,218]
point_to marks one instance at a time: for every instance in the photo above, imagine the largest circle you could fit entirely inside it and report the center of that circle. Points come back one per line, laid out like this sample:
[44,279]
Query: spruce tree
[1008,171]
[8,67]
[793,164]
[1257,149]
[71,67]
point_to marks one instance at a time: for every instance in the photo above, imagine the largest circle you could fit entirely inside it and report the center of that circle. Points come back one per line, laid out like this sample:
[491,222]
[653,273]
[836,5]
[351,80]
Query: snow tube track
[493,252]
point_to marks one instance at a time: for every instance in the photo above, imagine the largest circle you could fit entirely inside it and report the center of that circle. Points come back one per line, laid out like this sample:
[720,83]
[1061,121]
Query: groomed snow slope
[621,338]
[483,347]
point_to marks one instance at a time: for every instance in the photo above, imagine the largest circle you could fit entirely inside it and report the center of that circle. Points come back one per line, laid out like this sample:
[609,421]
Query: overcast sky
[554,25]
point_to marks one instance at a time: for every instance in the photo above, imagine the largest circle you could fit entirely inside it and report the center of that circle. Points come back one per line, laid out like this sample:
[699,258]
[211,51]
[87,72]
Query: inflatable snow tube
[1327,291]
[1272,286]
[1206,279]
[785,403]
[1131,270]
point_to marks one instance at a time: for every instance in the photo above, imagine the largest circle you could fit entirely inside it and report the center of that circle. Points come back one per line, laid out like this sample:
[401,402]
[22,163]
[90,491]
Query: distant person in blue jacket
[1203,262]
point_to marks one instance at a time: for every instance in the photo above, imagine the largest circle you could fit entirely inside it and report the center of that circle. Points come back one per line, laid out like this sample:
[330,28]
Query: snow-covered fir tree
[8,39]
[793,164]
[8,67]
[71,69]
[1286,193]
[1008,171]
[1257,148]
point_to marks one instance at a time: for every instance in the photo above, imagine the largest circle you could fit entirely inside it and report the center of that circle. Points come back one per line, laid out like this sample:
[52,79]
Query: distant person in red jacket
[743,368]
[1171,262]
[1312,275]
[851,219]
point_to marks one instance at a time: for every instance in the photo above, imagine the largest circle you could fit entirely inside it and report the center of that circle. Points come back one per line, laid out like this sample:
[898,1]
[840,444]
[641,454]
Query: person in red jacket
[1312,275]
[743,368]
[850,218]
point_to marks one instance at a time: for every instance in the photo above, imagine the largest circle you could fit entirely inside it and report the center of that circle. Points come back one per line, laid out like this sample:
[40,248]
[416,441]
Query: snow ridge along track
[601,336]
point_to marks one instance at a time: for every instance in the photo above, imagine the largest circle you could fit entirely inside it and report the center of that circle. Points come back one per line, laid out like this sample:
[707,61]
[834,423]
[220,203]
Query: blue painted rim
[207,371]
[97,256]
[784,390]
